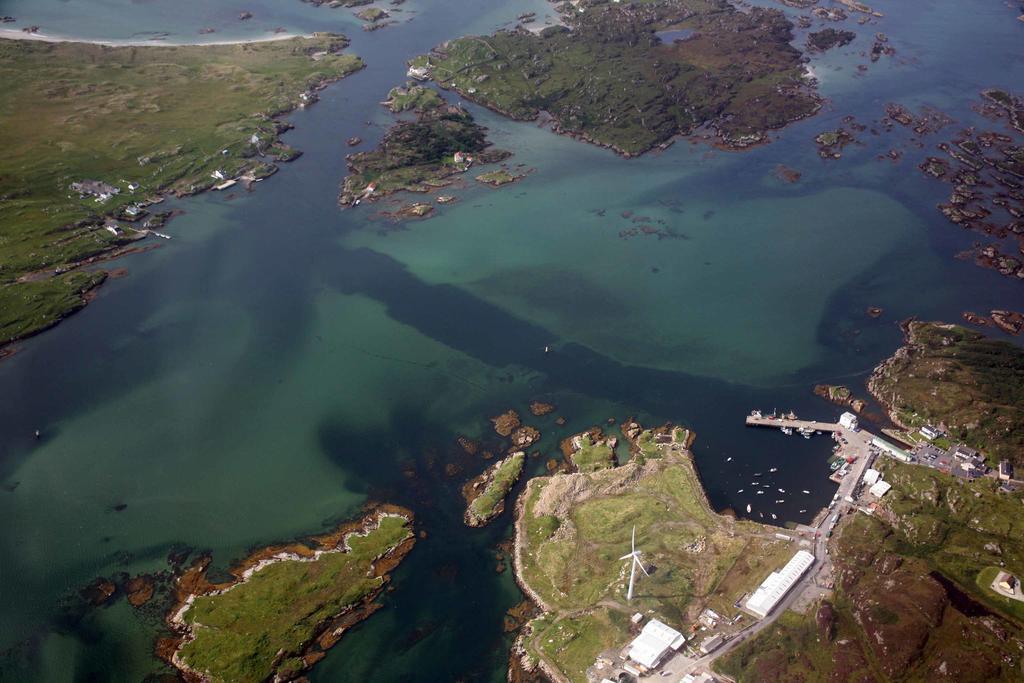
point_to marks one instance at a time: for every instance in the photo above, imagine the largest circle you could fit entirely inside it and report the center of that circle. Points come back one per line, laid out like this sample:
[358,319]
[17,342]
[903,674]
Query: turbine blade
[640,564]
[626,557]
[633,542]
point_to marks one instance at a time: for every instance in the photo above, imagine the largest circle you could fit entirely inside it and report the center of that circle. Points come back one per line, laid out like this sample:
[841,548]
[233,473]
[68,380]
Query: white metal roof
[778,584]
[880,488]
[654,641]
[871,475]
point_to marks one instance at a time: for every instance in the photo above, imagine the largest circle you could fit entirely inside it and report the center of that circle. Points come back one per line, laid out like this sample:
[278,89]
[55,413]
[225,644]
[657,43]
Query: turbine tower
[635,556]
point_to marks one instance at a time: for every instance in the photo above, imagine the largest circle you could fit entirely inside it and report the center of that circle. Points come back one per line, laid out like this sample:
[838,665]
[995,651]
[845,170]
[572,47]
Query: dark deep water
[280,361]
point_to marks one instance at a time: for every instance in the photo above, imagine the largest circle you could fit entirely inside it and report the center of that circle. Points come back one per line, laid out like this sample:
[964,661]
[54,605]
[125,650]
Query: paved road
[852,443]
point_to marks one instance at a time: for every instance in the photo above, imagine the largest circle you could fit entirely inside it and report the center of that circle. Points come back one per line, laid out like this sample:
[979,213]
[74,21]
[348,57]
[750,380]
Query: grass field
[239,633]
[157,119]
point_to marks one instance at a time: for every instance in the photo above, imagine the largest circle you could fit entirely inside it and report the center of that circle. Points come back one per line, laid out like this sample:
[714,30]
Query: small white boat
[748,508]
[807,492]
[780,500]
[760,493]
[755,483]
[761,515]
[740,491]
[773,516]
[757,474]
[788,431]
[774,469]
[803,511]
[729,459]
[782,490]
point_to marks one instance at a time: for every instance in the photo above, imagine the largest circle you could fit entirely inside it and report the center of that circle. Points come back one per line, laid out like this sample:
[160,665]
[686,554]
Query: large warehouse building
[778,584]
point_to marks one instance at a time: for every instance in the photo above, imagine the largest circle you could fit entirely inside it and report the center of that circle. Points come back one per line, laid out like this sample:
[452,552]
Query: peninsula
[960,381]
[616,74]
[571,530]
[95,135]
[287,604]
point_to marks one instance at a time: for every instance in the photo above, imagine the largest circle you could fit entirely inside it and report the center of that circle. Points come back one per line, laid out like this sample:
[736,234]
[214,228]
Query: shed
[880,489]
[654,642]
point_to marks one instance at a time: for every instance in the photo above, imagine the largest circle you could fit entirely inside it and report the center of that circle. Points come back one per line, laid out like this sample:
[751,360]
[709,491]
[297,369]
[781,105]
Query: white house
[929,432]
[654,642]
[871,475]
[848,421]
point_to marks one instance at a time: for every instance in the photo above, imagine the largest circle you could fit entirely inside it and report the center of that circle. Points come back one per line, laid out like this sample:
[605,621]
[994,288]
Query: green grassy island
[92,135]
[956,377]
[419,155]
[287,605]
[414,97]
[606,76]
[486,494]
[909,602]
[571,530]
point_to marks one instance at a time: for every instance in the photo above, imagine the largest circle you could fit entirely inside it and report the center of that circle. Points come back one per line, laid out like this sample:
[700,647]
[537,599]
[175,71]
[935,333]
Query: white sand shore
[17,34]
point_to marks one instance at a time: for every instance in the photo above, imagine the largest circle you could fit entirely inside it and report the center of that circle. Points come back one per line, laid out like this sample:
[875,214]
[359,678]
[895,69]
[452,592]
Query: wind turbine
[635,556]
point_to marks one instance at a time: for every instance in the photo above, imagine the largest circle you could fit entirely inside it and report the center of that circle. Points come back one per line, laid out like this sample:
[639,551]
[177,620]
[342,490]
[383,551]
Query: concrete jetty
[779,422]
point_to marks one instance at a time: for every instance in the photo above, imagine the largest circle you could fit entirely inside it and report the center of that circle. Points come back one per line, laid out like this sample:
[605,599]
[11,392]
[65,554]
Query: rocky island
[420,155]
[485,495]
[286,605]
[736,73]
[985,169]
[149,121]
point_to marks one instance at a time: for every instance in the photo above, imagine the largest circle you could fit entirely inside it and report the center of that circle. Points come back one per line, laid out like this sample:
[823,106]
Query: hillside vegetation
[956,377]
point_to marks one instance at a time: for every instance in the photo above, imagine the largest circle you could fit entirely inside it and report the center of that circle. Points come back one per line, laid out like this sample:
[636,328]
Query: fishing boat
[806,435]
[773,516]
[748,508]
[788,431]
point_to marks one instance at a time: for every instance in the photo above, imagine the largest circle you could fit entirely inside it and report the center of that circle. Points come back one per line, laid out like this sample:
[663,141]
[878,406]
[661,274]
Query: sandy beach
[18,34]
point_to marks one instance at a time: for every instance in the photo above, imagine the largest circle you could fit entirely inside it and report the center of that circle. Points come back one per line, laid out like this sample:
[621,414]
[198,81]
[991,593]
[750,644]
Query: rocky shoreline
[193,583]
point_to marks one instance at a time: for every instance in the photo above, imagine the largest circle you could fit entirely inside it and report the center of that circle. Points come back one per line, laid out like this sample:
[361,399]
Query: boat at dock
[748,508]
[160,235]
[788,431]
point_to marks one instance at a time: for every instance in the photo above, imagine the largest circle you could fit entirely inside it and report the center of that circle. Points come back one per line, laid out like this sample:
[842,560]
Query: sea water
[281,361]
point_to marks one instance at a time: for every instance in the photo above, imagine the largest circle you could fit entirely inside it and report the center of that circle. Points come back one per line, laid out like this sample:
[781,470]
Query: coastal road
[852,443]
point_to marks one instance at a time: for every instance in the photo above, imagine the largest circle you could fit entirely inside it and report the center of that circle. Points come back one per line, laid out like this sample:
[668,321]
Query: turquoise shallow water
[280,362]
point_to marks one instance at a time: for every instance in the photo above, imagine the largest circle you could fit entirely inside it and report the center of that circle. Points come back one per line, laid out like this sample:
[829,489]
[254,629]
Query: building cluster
[95,188]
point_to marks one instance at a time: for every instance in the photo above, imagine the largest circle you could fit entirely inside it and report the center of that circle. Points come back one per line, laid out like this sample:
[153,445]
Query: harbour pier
[757,420]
